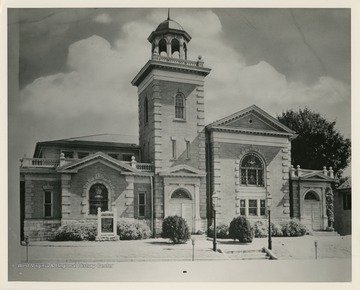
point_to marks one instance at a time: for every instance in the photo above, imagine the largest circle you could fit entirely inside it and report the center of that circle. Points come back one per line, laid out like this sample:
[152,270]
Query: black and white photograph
[179,144]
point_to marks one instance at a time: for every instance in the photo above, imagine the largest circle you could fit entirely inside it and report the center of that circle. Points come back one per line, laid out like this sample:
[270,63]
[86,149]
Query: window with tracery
[179,106]
[98,197]
[252,171]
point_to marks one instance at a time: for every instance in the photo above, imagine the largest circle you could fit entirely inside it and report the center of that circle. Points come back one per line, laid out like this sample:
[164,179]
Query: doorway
[312,211]
[181,204]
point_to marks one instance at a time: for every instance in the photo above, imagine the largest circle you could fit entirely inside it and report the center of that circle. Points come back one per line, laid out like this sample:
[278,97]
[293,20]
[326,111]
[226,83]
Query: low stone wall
[41,229]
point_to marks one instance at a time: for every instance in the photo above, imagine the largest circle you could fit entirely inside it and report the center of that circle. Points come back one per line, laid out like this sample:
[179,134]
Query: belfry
[172,125]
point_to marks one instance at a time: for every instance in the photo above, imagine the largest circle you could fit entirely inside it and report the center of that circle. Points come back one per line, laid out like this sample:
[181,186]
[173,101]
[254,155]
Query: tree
[318,143]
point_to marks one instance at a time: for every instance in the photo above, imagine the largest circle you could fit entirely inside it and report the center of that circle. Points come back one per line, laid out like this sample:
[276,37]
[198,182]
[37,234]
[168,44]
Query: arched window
[180,193]
[252,170]
[311,196]
[98,197]
[179,106]
[146,110]
[175,48]
[162,47]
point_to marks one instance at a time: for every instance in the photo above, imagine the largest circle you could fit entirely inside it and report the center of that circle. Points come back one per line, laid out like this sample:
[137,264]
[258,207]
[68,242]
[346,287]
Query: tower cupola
[169,39]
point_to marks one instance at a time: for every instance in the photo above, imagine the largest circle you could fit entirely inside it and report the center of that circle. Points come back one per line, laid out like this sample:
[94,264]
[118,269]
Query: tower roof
[169,26]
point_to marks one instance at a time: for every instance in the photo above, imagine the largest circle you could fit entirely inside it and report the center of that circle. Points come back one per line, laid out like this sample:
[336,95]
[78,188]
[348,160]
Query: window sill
[179,120]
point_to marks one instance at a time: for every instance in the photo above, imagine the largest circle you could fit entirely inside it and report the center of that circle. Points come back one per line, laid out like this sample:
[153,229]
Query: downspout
[152,205]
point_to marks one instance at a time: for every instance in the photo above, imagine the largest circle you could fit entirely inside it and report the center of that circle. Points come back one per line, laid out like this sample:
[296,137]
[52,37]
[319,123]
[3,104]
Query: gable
[182,170]
[251,121]
[316,176]
[98,157]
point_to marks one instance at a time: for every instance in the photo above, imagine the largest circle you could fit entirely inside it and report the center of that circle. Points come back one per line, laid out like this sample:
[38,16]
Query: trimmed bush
[132,229]
[260,229]
[293,229]
[222,231]
[76,231]
[175,229]
[276,230]
[240,229]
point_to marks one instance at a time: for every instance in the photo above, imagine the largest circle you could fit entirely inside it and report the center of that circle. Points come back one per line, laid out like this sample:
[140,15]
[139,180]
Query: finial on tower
[168,14]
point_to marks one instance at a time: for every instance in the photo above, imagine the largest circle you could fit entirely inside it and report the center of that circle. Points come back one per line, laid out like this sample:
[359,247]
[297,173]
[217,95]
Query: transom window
[98,197]
[180,193]
[311,196]
[179,106]
[252,171]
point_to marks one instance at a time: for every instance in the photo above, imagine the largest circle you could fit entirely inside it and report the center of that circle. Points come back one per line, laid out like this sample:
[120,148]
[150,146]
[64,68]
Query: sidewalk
[162,250]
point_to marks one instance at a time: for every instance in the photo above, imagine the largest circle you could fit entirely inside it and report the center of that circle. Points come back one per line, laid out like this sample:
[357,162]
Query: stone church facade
[178,163]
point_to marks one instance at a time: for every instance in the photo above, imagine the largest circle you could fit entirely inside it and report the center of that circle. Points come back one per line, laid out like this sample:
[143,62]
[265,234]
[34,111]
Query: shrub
[276,230]
[240,229]
[76,231]
[260,229]
[293,229]
[132,229]
[175,229]
[222,231]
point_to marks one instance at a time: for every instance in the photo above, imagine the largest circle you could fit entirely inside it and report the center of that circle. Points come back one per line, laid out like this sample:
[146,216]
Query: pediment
[316,176]
[252,119]
[98,157]
[182,170]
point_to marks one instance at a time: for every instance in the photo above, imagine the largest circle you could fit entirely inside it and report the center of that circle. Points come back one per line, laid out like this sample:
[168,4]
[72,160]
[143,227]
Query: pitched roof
[105,137]
[346,184]
[263,123]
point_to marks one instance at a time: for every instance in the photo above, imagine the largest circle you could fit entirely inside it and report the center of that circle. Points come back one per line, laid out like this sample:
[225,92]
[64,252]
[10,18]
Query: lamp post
[268,201]
[215,199]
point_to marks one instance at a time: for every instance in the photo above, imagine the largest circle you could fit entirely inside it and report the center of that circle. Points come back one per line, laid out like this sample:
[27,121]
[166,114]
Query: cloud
[96,95]
[103,18]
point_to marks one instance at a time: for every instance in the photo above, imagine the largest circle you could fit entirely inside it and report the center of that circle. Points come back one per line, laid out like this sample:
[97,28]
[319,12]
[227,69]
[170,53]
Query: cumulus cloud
[97,87]
[103,18]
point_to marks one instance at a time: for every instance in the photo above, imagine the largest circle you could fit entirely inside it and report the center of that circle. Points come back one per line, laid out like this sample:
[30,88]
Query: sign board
[107,226]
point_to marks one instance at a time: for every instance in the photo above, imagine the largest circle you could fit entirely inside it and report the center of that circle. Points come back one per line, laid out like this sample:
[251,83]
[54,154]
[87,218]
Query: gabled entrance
[181,204]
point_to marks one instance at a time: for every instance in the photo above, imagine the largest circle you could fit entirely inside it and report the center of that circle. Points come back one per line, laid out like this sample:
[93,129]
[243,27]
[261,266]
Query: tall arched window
[175,48]
[146,110]
[179,106]
[252,170]
[162,47]
[98,197]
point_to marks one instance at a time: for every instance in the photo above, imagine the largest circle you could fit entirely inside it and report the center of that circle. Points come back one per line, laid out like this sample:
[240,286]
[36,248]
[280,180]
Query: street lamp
[215,199]
[268,201]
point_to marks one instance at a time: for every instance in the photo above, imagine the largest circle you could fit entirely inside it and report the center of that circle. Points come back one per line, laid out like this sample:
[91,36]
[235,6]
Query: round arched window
[180,193]
[311,196]
[98,197]
[252,170]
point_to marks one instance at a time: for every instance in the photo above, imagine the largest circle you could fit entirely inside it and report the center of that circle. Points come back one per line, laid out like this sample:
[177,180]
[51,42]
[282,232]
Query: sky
[73,67]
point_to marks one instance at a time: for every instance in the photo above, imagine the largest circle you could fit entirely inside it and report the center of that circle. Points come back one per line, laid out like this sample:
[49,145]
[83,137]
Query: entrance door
[312,211]
[181,205]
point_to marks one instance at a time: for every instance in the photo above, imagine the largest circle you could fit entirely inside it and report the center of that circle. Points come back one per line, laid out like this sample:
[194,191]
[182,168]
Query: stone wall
[41,229]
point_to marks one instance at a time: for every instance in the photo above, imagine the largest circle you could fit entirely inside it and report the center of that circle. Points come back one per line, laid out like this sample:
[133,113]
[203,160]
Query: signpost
[107,226]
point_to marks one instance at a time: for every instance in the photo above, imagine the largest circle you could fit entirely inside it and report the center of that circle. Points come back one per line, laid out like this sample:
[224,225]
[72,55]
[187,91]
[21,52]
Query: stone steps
[246,255]
[324,234]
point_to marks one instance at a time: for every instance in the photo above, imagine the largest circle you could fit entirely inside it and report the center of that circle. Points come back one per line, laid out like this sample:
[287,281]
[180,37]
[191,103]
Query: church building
[178,163]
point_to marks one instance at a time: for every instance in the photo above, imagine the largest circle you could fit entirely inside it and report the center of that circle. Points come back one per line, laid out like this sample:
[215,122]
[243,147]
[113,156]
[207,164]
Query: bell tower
[171,120]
